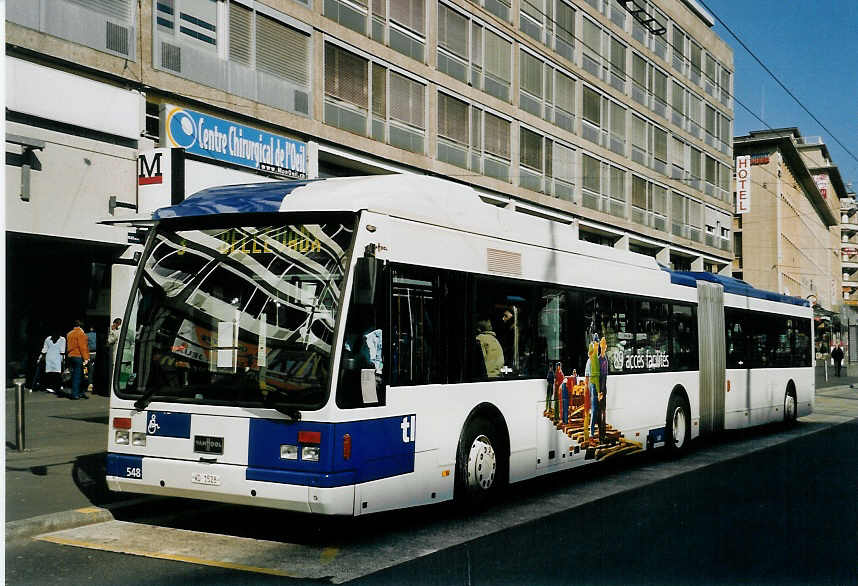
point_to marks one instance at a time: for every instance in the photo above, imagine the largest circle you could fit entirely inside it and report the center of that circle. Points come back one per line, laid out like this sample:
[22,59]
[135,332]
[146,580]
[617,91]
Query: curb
[26,528]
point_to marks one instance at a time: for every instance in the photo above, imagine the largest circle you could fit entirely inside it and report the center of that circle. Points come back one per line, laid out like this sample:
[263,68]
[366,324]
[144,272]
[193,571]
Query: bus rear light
[288,452]
[121,437]
[347,447]
[121,423]
[310,453]
[138,438]
[310,437]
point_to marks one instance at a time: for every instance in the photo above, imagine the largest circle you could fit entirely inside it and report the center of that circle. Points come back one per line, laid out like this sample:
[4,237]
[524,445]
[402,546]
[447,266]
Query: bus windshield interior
[236,315]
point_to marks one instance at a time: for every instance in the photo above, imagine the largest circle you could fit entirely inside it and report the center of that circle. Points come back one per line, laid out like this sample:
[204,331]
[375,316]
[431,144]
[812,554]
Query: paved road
[734,508]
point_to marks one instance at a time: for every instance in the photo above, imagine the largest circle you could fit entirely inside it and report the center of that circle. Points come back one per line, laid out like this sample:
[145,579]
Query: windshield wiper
[144,400]
[291,412]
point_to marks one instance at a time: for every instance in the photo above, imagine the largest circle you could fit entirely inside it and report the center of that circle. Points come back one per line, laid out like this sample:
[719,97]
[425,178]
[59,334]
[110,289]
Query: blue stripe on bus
[233,199]
[731,285]
[301,478]
[124,466]
[166,424]
[380,448]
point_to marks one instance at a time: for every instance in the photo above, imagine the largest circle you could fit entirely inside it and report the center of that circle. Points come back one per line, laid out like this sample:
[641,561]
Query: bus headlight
[288,452]
[310,453]
[121,437]
[138,438]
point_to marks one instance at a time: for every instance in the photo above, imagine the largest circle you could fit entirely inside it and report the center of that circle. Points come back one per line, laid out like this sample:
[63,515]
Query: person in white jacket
[112,339]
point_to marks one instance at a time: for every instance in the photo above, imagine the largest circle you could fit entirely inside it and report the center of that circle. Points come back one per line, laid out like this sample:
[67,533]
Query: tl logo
[409,429]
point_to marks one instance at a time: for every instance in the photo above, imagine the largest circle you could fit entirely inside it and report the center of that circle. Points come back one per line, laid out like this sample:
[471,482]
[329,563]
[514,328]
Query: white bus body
[404,446]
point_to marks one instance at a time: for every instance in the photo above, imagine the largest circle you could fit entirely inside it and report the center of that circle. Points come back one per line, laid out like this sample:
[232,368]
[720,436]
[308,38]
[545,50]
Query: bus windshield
[238,315]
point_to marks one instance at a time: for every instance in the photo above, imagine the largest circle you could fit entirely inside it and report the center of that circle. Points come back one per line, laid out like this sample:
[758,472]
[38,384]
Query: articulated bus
[353,345]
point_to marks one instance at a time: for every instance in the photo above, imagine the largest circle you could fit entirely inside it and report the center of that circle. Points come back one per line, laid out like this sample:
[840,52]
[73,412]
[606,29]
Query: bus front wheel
[678,425]
[478,461]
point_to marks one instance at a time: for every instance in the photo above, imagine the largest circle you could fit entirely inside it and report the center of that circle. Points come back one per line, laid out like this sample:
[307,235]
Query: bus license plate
[206,478]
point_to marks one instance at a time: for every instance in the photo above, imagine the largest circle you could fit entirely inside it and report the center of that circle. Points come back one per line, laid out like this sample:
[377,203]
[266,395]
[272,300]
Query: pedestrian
[91,344]
[837,356]
[52,355]
[78,355]
[112,339]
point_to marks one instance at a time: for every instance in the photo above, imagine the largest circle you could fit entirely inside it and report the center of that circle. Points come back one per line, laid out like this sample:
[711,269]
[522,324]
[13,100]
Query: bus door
[737,401]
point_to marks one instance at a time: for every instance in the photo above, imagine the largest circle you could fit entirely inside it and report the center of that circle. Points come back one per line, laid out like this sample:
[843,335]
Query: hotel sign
[743,184]
[216,138]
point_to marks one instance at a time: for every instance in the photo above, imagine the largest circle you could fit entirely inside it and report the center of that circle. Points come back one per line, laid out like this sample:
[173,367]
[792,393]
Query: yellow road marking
[88,510]
[329,553]
[167,556]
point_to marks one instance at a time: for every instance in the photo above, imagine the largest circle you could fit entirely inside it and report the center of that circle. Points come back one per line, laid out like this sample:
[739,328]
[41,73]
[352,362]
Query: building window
[500,8]
[546,165]
[398,101]
[686,217]
[678,41]
[695,62]
[649,203]
[695,105]
[603,121]
[603,55]
[462,57]
[694,168]
[603,186]
[400,24]
[546,91]
[618,65]
[260,54]
[472,138]
[677,159]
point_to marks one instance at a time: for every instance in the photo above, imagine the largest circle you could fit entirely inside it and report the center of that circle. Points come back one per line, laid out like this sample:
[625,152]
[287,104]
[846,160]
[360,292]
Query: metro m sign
[149,168]
[160,178]
[743,184]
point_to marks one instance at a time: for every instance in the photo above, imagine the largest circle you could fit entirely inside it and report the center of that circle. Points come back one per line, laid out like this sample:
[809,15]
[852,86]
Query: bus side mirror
[366,271]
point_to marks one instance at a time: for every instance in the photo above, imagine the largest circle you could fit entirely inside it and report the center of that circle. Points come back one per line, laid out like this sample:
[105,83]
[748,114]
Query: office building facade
[612,117]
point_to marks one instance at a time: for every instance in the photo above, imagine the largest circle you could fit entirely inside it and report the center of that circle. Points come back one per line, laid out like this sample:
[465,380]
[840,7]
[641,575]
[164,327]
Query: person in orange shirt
[77,349]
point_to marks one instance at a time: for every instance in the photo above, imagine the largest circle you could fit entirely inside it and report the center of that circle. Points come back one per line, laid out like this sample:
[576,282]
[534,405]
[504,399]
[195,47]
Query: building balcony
[849,263]
[848,227]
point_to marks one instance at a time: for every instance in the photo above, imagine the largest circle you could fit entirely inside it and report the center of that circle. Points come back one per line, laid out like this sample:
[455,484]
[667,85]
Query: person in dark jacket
[837,356]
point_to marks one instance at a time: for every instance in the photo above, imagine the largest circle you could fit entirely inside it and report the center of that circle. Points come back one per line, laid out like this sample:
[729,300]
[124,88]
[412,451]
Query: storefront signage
[216,138]
[743,184]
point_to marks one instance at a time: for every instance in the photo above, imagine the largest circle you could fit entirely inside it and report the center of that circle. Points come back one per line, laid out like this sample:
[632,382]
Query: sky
[812,48]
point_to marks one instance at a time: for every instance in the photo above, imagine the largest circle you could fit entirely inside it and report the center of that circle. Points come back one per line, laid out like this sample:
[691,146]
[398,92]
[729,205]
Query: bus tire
[678,425]
[790,406]
[479,460]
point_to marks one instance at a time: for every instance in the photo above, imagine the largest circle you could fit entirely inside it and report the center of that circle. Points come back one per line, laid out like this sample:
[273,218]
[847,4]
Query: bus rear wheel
[790,408]
[478,464]
[677,426]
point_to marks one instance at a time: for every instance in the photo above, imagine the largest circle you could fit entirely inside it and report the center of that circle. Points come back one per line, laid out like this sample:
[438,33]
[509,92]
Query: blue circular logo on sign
[181,129]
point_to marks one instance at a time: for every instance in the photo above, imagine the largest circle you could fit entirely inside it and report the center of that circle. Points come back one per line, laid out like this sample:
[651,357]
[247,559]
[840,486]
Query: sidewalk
[62,468]
[58,481]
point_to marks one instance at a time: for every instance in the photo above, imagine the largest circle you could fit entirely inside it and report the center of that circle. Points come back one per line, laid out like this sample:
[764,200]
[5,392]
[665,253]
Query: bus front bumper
[222,483]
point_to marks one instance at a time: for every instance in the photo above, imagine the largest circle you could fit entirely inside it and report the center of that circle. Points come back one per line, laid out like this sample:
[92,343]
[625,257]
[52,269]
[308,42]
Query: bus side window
[683,338]
[735,340]
[503,330]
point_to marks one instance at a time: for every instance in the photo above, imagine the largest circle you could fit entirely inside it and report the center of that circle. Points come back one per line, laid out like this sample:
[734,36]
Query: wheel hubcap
[789,407]
[482,464]
[679,427]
